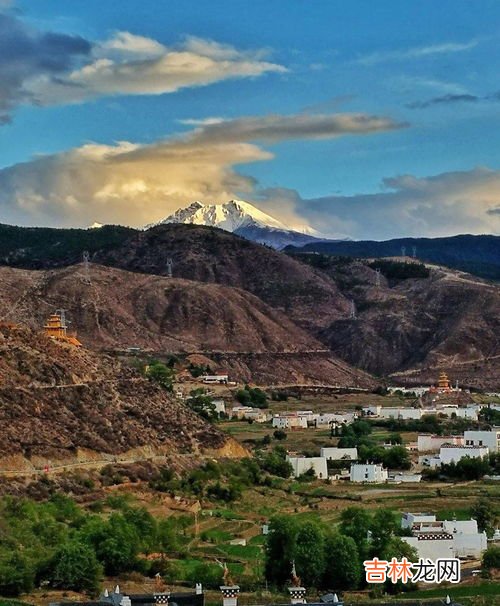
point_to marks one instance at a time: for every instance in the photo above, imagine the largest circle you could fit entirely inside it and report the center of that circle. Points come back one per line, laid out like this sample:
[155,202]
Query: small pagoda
[443,384]
[56,328]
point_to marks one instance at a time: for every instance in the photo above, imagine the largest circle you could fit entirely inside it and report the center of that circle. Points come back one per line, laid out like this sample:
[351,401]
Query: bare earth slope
[56,399]
[119,309]
[414,327]
[309,297]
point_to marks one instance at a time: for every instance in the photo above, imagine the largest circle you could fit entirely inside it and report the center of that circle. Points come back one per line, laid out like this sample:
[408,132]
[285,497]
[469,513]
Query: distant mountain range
[479,255]
[243,219]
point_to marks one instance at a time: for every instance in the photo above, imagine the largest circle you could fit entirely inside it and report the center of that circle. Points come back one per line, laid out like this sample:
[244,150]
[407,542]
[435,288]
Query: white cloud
[137,184]
[439,205]
[128,64]
[416,52]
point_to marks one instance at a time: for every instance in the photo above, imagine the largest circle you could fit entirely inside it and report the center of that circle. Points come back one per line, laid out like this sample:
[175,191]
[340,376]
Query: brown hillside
[120,309]
[307,296]
[449,320]
[56,399]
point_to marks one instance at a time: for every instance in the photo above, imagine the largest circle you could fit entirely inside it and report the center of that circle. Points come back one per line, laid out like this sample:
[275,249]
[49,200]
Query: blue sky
[370,120]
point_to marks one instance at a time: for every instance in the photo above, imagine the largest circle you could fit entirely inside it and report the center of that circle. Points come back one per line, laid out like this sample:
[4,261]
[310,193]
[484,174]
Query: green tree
[310,553]
[276,464]
[396,457]
[383,527]
[75,566]
[355,523]
[486,514]
[342,563]
[280,550]
[17,574]
[491,558]
[161,374]
[202,404]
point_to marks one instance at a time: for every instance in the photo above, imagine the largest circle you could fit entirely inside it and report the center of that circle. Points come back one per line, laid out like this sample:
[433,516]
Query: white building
[338,454]
[433,539]
[368,472]
[448,454]
[249,413]
[490,438]
[302,464]
[431,443]
[340,418]
[290,420]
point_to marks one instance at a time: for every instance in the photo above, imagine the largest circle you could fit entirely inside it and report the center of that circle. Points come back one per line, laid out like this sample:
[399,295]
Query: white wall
[429,443]
[408,518]
[447,454]
[370,472]
[491,439]
[336,454]
[432,548]
[302,464]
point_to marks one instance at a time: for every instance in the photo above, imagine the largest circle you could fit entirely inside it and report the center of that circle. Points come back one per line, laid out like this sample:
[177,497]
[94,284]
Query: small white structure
[418,391]
[210,379]
[220,406]
[339,454]
[431,443]
[408,519]
[401,477]
[448,454]
[368,472]
[490,439]
[302,464]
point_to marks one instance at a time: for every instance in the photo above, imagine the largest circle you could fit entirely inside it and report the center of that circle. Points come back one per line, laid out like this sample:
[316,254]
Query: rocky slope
[115,309]
[447,320]
[56,399]
[308,297]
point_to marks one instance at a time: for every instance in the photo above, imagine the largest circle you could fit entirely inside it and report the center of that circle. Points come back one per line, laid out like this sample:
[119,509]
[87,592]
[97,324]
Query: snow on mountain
[229,216]
[244,219]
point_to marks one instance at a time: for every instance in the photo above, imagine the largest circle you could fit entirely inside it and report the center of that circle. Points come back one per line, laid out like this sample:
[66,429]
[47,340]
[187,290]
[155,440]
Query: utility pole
[86,266]
[352,313]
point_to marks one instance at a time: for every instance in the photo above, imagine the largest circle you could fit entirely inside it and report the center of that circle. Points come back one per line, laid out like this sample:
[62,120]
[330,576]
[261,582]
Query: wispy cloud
[49,68]
[417,52]
[137,184]
[452,99]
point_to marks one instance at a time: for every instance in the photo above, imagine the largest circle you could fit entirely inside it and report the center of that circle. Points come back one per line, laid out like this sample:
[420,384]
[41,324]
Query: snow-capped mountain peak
[229,216]
[243,219]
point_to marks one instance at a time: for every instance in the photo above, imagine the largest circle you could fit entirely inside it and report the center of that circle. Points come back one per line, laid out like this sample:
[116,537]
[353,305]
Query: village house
[331,418]
[432,443]
[452,454]
[290,420]
[449,454]
[447,539]
[250,414]
[302,464]
[368,472]
[489,438]
[339,454]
